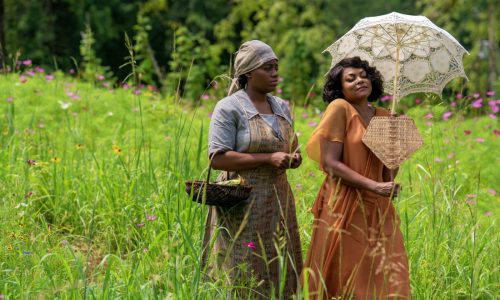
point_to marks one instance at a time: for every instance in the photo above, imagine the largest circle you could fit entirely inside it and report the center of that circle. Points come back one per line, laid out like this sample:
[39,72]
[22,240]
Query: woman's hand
[387,189]
[296,160]
[280,160]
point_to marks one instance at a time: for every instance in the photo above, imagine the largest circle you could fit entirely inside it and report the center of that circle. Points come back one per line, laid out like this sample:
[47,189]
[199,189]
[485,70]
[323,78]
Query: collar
[250,109]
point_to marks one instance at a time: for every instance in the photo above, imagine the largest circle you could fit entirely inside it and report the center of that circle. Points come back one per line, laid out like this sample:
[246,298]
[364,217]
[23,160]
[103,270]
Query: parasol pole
[396,72]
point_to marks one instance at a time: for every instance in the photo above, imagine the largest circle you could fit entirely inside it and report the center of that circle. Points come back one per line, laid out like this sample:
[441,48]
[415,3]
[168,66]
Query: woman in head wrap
[255,243]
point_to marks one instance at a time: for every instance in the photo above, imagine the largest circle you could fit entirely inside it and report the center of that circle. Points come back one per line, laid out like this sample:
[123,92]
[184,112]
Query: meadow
[93,204]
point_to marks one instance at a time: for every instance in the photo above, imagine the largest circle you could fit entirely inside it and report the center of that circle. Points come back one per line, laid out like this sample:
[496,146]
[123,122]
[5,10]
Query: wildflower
[31,162]
[250,245]
[125,86]
[428,123]
[490,93]
[495,131]
[311,95]
[27,62]
[140,225]
[64,105]
[39,70]
[492,192]
[9,99]
[480,140]
[26,252]
[40,125]
[137,92]
[477,103]
[492,116]
[476,95]
[30,73]
[386,98]
[106,85]
[418,101]
[73,95]
[447,115]
[12,235]
[20,204]
[151,217]
[279,91]
[453,104]
[438,159]
[451,155]
[79,146]
[428,116]
[9,247]
[299,186]
[28,195]
[280,79]
[488,214]
[205,97]
[2,296]
[459,96]
[312,124]
[49,77]
[117,150]
[71,71]
[23,79]
[55,160]
[305,115]
[470,202]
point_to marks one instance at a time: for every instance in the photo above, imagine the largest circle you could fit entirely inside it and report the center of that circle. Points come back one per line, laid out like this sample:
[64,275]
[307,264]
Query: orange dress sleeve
[333,127]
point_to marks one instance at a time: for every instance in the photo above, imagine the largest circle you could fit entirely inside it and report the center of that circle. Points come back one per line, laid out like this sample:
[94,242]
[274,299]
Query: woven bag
[392,139]
[217,194]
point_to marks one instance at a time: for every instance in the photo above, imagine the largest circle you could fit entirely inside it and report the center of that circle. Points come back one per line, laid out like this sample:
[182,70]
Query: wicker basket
[216,194]
[392,139]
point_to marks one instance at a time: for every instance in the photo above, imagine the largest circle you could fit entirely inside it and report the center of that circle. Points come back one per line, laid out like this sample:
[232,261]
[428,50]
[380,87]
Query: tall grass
[93,203]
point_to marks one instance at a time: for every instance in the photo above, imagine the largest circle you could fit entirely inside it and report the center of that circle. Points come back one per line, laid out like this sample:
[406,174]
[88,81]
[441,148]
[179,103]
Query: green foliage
[91,65]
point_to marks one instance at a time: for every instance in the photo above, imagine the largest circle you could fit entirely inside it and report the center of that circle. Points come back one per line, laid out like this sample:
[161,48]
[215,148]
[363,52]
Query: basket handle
[210,167]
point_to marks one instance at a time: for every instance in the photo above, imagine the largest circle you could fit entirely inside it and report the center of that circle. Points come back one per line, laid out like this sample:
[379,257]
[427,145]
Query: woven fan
[392,139]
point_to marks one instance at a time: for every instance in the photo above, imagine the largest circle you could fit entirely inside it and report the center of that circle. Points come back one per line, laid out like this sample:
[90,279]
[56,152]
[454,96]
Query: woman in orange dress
[357,248]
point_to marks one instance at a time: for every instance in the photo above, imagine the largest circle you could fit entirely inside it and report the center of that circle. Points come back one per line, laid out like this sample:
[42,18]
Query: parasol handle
[395,95]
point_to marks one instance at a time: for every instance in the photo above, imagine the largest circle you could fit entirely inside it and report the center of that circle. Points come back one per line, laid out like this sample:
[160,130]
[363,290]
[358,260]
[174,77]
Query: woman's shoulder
[283,104]
[339,104]
[383,112]
[227,104]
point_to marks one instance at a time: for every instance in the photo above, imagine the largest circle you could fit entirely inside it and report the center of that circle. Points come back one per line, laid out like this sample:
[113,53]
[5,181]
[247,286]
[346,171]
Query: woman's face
[355,84]
[265,78]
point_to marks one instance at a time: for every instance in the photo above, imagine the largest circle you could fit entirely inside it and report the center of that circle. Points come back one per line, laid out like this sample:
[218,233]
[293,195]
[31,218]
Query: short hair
[333,86]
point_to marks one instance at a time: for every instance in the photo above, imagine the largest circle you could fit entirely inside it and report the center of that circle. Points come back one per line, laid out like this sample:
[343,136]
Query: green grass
[102,212]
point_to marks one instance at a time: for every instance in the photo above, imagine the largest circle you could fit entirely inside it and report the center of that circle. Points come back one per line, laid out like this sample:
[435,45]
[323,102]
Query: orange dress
[357,248]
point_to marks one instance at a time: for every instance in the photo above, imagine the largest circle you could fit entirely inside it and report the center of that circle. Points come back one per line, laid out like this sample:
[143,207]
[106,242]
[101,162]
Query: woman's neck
[256,96]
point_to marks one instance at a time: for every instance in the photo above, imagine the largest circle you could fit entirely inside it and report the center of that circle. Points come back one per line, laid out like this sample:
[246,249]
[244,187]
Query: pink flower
[490,93]
[488,214]
[470,202]
[312,124]
[311,174]
[492,116]
[471,196]
[428,116]
[453,104]
[279,91]
[205,97]
[478,103]
[280,79]
[49,77]
[492,191]
[476,95]
[467,132]
[305,115]
[28,195]
[125,86]
[139,225]
[100,77]
[31,162]
[151,217]
[106,85]
[39,70]
[428,123]
[27,62]
[447,115]
[480,140]
[10,99]
[71,71]
[386,98]
[459,96]
[250,245]
[418,101]
[23,79]
[136,92]
[495,131]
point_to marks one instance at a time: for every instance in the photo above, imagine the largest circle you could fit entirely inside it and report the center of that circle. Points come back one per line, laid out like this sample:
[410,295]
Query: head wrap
[250,56]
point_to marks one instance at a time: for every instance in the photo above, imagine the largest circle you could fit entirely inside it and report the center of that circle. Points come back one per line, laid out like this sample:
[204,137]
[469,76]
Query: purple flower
[27,62]
[39,70]
[386,98]
[459,96]
[490,93]
[447,115]
[137,92]
[100,77]
[478,103]
[49,77]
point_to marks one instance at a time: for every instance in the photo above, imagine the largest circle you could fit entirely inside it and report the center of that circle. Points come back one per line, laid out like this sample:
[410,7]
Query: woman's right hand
[280,160]
[387,189]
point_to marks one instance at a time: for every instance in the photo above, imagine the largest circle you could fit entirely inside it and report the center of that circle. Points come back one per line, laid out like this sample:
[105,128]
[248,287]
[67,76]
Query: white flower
[64,105]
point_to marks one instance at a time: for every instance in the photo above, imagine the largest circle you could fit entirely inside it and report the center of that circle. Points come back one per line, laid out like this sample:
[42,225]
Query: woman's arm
[236,161]
[388,174]
[331,153]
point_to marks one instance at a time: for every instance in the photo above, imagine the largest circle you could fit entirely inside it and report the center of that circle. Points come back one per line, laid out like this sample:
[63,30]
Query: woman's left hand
[296,160]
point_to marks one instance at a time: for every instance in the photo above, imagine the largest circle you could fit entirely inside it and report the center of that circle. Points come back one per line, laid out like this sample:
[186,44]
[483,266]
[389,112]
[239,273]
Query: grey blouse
[229,127]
